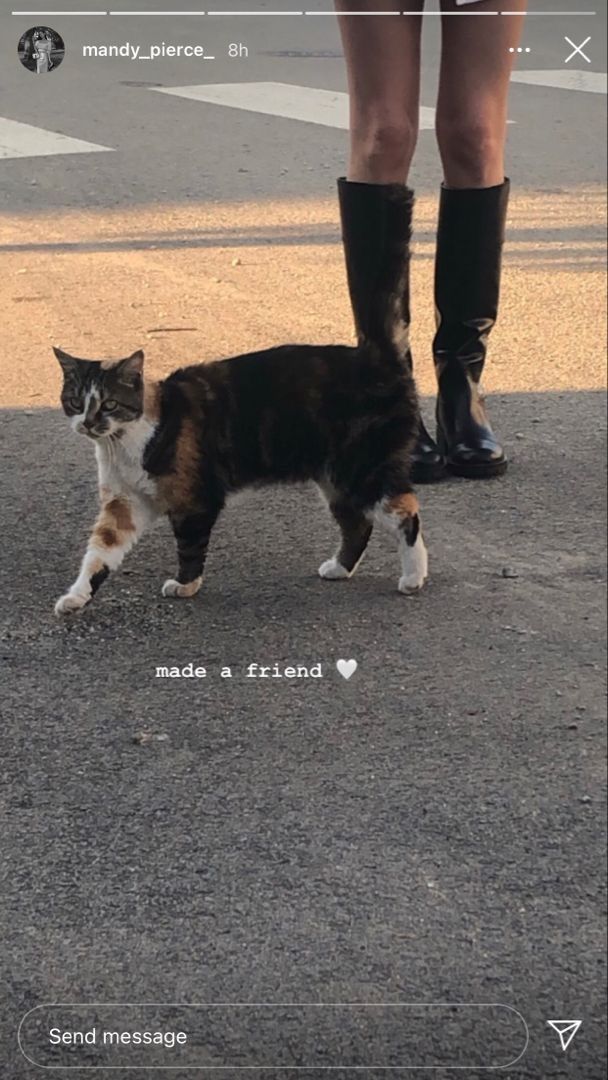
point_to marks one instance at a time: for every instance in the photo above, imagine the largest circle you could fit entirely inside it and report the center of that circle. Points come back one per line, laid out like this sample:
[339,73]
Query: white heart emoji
[346,668]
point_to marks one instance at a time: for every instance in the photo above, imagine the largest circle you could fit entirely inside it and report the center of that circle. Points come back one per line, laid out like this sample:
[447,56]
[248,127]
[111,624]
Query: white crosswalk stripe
[330,107]
[591,82]
[326,107]
[286,100]
[19,140]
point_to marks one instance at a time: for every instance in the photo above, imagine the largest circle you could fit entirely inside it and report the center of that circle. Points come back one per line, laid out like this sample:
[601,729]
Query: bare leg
[356,530]
[120,523]
[400,515]
[473,89]
[383,65]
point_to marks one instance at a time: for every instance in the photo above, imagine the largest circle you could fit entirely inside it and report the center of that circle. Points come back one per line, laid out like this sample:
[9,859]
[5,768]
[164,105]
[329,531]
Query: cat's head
[102,396]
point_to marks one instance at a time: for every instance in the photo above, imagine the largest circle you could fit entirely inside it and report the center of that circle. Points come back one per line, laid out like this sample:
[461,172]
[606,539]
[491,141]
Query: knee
[471,148]
[383,146]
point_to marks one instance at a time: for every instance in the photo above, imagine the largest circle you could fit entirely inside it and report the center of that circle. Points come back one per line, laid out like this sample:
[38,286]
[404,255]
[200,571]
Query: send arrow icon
[566,1029]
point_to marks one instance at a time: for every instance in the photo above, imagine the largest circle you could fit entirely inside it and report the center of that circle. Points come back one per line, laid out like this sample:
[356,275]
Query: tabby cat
[343,417]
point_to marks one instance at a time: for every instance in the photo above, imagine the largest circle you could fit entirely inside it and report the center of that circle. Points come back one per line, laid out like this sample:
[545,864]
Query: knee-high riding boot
[376,232]
[467,284]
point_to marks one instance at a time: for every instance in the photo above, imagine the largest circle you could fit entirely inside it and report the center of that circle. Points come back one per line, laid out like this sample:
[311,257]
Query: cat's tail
[376,233]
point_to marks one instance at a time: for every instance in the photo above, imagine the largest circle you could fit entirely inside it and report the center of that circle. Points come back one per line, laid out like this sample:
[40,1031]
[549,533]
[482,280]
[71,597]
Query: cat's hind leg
[120,523]
[192,533]
[400,515]
[355,529]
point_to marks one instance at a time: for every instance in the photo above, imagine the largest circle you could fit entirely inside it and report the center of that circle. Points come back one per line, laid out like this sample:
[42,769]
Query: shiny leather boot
[467,284]
[376,232]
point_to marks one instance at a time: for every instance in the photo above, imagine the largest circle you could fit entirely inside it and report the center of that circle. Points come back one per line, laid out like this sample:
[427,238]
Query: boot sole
[481,471]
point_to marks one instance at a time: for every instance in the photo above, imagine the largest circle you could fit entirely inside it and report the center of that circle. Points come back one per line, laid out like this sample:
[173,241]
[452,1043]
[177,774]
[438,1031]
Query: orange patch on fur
[151,401]
[106,536]
[191,588]
[114,523]
[120,511]
[178,488]
[404,505]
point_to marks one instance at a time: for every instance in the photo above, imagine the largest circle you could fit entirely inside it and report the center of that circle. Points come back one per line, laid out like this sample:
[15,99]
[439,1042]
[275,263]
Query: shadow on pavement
[578,248]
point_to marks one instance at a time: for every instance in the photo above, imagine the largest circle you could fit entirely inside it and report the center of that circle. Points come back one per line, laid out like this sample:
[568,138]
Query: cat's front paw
[70,603]
[410,585]
[332,570]
[175,588]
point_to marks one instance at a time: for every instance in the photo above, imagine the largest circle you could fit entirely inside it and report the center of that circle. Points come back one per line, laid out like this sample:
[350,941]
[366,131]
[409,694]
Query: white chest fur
[119,462]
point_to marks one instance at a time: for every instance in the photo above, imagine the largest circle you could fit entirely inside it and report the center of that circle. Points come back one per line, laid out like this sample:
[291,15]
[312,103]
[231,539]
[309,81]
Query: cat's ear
[68,363]
[132,365]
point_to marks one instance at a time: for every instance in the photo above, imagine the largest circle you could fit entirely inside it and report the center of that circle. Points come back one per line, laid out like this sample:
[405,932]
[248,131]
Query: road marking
[592,82]
[22,140]
[326,107]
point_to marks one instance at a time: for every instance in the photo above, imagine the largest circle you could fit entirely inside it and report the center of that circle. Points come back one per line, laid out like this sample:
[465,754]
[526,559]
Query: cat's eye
[110,405]
[75,403]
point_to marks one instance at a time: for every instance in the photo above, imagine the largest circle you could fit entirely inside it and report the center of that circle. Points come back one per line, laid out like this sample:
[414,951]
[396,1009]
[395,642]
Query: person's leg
[471,126]
[473,89]
[382,55]
[383,66]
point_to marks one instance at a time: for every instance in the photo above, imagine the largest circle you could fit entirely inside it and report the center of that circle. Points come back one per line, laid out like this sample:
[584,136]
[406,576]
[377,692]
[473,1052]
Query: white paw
[408,584]
[173,588]
[332,570]
[70,602]
[415,567]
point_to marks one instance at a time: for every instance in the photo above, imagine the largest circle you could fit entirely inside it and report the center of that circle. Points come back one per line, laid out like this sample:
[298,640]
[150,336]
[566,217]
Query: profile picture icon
[41,50]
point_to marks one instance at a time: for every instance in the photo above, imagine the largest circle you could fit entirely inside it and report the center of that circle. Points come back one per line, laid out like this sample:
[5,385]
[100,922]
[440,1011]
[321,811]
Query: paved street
[432,829]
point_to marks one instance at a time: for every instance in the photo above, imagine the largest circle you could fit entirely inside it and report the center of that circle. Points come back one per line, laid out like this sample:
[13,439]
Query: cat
[344,417]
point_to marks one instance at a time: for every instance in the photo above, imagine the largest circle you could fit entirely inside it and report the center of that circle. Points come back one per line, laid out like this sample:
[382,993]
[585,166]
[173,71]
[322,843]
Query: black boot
[376,231]
[467,282]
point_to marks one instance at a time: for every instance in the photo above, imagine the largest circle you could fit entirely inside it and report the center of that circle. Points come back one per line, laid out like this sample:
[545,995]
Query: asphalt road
[430,830]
